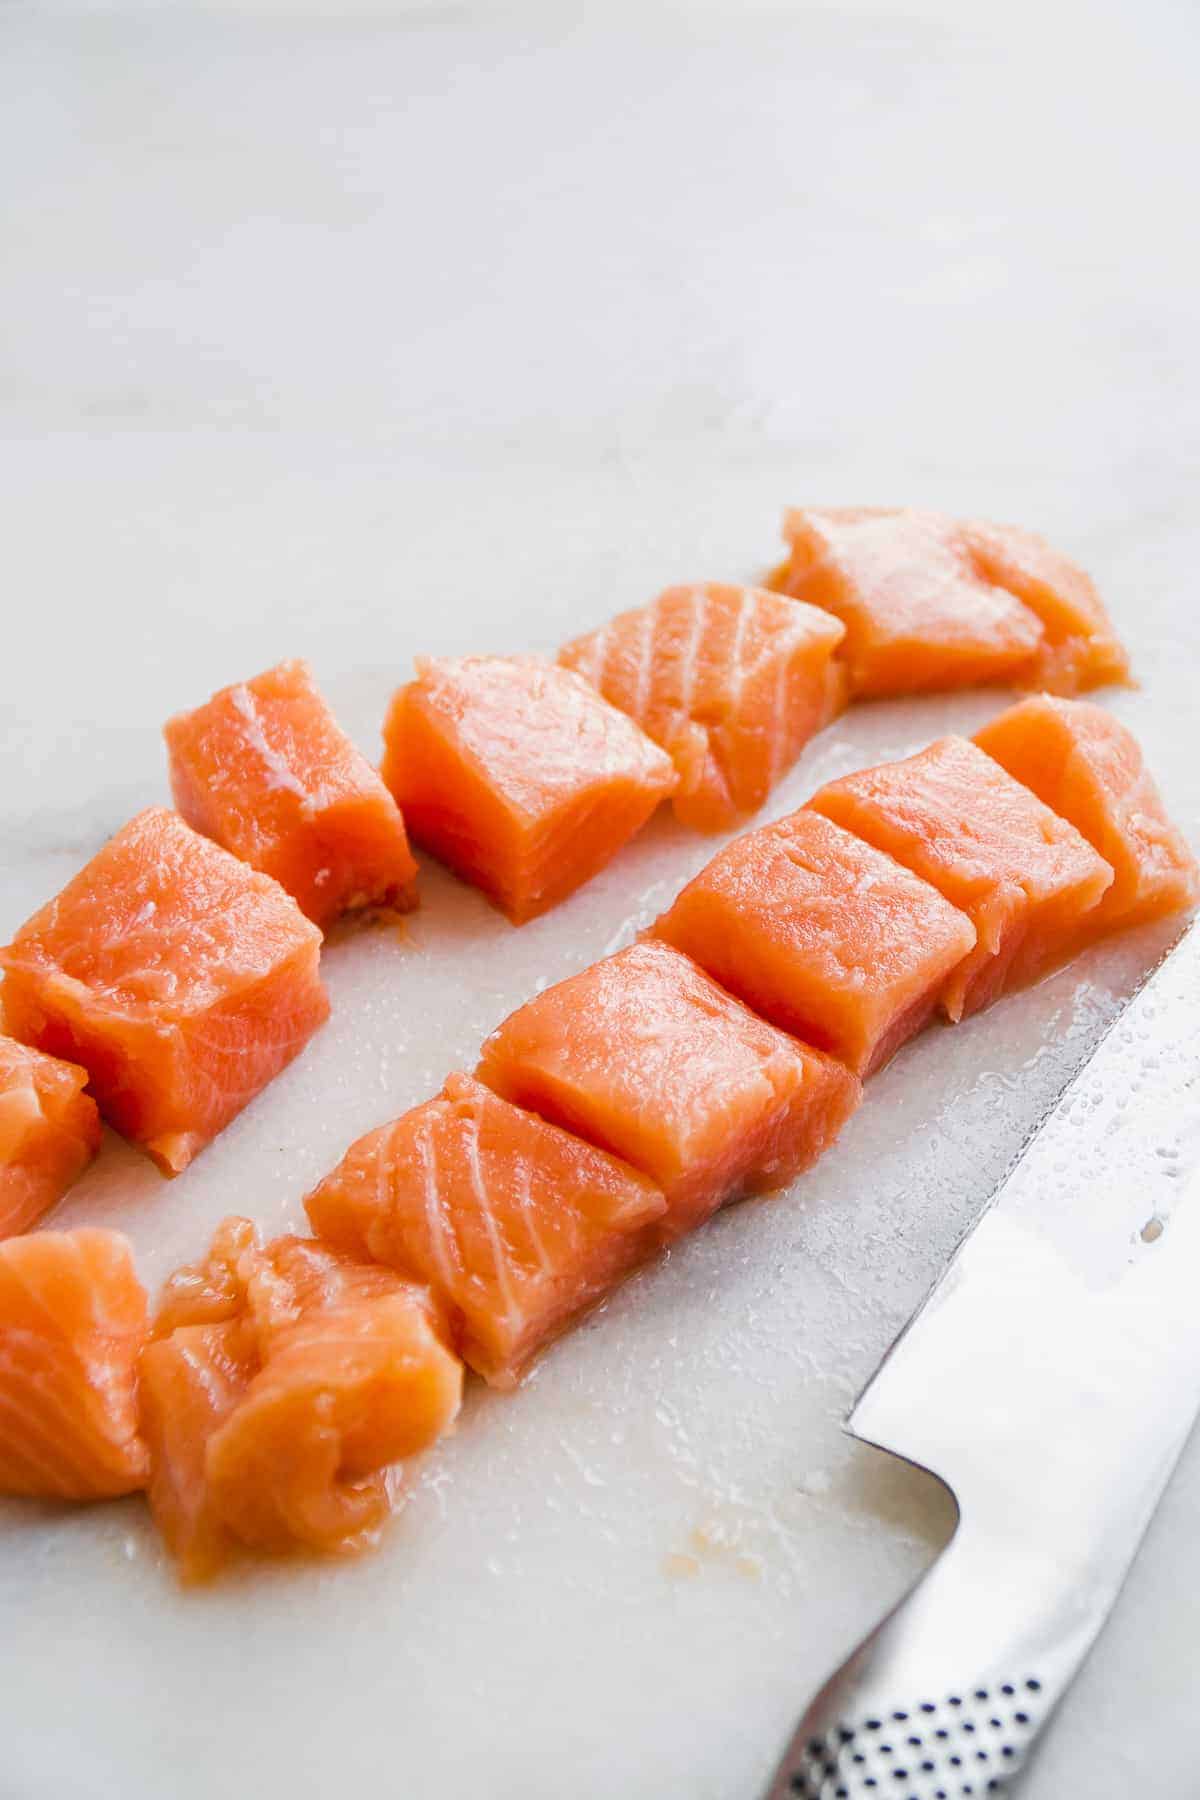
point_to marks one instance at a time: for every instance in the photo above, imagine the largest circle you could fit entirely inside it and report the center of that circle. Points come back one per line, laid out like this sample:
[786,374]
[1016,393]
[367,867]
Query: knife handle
[944,1699]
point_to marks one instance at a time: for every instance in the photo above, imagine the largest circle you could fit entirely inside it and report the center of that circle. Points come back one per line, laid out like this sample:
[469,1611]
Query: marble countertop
[360,331]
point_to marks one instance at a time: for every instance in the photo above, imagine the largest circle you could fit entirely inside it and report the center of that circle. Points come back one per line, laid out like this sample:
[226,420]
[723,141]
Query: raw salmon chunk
[823,935]
[1088,768]
[190,1382]
[72,1324]
[1023,876]
[516,1226]
[179,978]
[919,614]
[731,681]
[49,1132]
[1079,648]
[518,775]
[648,1058]
[281,1385]
[265,769]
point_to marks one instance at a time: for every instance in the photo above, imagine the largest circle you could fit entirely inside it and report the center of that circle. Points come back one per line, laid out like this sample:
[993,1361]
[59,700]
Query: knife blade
[1050,1380]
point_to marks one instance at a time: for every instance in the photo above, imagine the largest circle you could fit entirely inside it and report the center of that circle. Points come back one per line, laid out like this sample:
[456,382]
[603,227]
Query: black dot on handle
[900,1717]
[1008,1689]
[1022,1718]
[927,1706]
[1035,1687]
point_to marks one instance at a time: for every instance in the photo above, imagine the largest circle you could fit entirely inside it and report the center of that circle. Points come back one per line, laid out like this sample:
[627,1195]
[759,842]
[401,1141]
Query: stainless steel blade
[1051,1380]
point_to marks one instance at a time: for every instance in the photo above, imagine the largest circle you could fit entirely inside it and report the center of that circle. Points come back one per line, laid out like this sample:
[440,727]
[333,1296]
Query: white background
[366,333]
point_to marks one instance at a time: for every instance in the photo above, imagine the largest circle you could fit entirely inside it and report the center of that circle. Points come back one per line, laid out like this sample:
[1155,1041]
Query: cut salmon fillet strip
[265,770]
[647,1057]
[179,978]
[823,935]
[931,602]
[519,775]
[72,1325]
[1023,876]
[516,1225]
[49,1132]
[731,681]
[1084,764]
[282,1384]
[1079,648]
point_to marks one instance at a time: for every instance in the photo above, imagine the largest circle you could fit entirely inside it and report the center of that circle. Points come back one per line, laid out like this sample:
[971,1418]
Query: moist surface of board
[331,394]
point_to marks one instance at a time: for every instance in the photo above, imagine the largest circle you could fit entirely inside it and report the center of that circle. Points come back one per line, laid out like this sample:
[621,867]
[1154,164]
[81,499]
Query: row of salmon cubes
[522,775]
[609,1115]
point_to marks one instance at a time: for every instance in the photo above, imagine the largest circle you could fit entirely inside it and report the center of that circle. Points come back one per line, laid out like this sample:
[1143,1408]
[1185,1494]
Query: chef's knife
[1050,1380]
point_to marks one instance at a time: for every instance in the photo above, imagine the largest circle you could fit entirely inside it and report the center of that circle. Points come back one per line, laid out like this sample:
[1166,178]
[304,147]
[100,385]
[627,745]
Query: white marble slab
[401,330]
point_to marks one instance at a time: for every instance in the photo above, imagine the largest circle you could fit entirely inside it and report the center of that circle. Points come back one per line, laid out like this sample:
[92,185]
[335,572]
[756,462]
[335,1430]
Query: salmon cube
[1023,876]
[1088,768]
[282,1383]
[1079,648]
[823,935]
[731,681]
[49,1133]
[650,1059]
[518,775]
[918,614]
[516,1226]
[180,979]
[264,769]
[72,1325]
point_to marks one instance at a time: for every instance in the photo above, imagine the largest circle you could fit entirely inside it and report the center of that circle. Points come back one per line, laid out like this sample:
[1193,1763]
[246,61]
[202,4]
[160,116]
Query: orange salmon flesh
[72,1325]
[647,1057]
[264,769]
[731,681]
[931,603]
[518,775]
[49,1133]
[1024,877]
[281,1385]
[516,1225]
[180,979]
